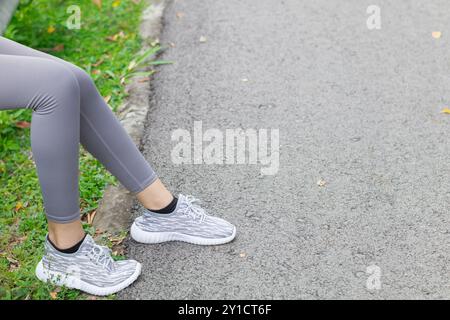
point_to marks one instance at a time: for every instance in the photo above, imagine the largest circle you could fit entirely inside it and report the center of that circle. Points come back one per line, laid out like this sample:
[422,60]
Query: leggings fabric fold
[67,110]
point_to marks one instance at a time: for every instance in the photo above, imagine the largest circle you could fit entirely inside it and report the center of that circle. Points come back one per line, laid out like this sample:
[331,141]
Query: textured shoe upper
[188,218]
[92,263]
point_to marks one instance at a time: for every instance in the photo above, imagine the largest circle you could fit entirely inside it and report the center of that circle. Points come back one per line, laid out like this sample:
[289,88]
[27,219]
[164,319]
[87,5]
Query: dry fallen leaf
[120,251]
[203,39]
[13,264]
[116,36]
[99,62]
[116,240]
[58,48]
[18,206]
[107,99]
[91,216]
[436,34]
[321,183]
[17,240]
[180,15]
[98,3]
[23,124]
[446,111]
[98,232]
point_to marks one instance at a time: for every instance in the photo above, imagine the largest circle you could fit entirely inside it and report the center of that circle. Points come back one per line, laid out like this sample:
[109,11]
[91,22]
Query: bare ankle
[64,236]
[155,196]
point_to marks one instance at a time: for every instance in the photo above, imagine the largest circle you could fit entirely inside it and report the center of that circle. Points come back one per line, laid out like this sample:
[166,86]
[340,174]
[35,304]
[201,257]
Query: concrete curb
[114,211]
[7,8]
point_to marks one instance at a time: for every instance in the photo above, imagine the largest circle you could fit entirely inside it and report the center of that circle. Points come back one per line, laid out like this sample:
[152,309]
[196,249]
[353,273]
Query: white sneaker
[90,269]
[188,223]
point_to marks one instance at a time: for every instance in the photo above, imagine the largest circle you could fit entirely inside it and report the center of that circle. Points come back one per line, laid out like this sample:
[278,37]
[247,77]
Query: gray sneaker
[188,223]
[90,269]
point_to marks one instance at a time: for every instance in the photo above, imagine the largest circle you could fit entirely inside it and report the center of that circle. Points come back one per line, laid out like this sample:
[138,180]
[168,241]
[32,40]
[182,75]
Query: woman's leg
[52,91]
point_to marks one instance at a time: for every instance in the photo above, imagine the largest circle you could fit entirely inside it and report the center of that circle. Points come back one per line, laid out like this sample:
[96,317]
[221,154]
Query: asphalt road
[358,109]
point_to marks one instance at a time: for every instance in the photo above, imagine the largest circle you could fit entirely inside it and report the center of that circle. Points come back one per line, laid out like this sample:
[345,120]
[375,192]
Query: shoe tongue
[181,201]
[88,242]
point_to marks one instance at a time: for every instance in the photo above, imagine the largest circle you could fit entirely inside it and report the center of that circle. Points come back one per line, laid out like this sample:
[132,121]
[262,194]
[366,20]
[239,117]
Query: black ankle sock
[68,250]
[169,208]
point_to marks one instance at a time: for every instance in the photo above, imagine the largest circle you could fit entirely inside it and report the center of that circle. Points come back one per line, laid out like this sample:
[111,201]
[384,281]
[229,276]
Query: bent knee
[85,81]
[59,87]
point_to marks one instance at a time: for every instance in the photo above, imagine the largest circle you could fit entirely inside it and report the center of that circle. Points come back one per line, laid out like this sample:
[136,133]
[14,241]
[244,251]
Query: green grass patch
[106,44]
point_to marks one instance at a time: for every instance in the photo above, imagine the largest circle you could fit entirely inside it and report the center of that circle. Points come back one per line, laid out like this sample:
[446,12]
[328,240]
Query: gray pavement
[357,108]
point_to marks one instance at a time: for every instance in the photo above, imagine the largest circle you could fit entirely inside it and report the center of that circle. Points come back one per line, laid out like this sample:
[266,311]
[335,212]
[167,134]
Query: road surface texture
[358,111]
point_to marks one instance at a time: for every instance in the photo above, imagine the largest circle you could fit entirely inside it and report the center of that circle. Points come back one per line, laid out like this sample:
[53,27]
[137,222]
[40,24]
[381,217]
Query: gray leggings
[67,110]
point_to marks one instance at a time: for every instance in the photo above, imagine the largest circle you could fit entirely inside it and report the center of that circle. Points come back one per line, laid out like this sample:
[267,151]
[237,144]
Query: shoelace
[191,207]
[102,255]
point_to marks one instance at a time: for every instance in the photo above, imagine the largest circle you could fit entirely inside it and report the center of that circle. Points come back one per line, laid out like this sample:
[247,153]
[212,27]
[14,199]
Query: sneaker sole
[73,282]
[142,236]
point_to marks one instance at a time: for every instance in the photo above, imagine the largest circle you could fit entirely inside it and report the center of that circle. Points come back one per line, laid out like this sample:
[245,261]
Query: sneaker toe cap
[224,228]
[126,268]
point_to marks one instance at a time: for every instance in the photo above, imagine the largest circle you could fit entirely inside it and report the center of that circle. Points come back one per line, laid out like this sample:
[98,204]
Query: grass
[104,46]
